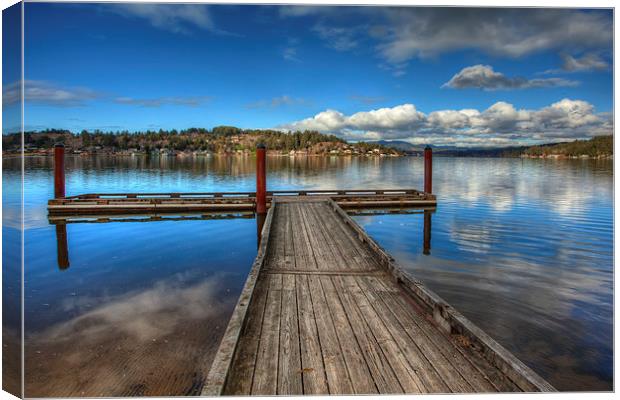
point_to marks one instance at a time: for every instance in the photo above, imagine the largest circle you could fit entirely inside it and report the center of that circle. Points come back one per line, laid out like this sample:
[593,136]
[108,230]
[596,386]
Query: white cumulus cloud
[500,124]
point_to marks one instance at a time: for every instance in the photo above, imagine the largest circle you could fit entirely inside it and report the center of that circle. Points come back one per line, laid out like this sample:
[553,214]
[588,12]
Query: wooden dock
[161,203]
[326,311]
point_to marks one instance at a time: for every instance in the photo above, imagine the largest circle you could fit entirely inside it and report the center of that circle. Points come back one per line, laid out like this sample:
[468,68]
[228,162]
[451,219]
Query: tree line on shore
[221,139]
[229,139]
[598,146]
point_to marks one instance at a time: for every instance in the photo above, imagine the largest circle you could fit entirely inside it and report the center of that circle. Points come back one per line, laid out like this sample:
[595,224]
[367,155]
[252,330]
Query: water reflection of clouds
[505,183]
[470,238]
[144,314]
[158,341]
[518,302]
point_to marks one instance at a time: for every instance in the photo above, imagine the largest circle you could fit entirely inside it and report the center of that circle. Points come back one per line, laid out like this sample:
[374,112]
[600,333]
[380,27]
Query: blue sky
[426,75]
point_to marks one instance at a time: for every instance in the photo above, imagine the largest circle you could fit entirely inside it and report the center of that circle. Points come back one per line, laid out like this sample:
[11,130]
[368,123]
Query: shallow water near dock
[523,248]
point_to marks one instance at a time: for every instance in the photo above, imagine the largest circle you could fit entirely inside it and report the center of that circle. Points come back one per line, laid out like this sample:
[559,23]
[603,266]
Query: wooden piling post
[59,170]
[261,180]
[428,170]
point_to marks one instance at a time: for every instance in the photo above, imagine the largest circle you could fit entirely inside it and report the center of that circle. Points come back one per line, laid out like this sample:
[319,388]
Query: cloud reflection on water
[149,335]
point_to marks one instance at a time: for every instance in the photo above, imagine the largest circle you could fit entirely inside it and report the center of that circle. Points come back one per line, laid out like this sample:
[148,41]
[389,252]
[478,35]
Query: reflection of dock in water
[61,222]
[62,247]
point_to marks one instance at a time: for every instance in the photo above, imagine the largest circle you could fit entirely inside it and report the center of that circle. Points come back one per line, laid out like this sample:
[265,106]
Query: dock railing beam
[261,180]
[428,170]
[59,170]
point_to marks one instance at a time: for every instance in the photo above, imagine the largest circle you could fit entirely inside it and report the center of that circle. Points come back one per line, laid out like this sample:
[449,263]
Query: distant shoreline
[273,154]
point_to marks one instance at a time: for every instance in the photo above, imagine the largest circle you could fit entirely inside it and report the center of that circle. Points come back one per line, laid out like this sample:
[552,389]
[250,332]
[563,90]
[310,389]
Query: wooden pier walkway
[326,311]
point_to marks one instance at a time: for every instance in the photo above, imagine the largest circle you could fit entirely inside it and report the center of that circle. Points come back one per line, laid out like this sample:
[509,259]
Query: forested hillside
[221,139]
[599,146]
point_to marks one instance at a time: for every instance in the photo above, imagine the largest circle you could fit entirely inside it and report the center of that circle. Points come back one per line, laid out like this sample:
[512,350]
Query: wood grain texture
[330,316]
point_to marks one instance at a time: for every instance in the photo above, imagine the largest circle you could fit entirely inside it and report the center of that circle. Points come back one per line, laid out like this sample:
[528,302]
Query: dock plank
[313,368]
[330,234]
[338,380]
[289,368]
[377,362]
[353,354]
[266,370]
[240,380]
[405,373]
[465,367]
[329,315]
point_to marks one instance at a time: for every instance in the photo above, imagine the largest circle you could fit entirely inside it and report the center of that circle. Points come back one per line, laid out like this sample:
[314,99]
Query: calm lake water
[523,248]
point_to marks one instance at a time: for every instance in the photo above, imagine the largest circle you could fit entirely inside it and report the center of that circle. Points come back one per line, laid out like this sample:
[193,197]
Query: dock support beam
[428,170]
[261,180]
[59,170]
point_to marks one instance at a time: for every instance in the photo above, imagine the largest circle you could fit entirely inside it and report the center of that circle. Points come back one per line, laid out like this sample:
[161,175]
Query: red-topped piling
[59,170]
[261,180]
[428,169]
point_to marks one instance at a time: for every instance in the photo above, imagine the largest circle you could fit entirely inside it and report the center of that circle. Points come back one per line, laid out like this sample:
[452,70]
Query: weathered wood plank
[340,317]
[429,379]
[338,379]
[289,243]
[478,380]
[319,243]
[449,374]
[304,257]
[313,368]
[340,271]
[353,355]
[240,380]
[271,254]
[276,253]
[382,373]
[344,241]
[342,256]
[289,368]
[266,372]
[405,373]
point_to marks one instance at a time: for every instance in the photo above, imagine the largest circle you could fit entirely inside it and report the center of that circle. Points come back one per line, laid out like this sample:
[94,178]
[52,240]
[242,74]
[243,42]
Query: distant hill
[454,151]
[599,146]
[400,145]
